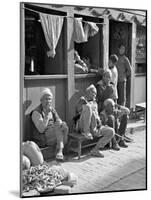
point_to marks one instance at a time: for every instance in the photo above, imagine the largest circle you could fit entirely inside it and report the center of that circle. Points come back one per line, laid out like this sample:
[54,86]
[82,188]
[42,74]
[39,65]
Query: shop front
[57,70]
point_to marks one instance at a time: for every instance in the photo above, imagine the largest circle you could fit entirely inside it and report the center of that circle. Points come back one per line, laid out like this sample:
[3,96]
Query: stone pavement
[118,170]
[133,181]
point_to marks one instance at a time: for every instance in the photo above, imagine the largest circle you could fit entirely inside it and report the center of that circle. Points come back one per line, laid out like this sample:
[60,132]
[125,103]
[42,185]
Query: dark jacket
[36,136]
[104,92]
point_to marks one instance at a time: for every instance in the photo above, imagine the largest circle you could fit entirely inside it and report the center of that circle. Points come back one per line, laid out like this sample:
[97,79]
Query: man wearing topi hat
[48,127]
[88,122]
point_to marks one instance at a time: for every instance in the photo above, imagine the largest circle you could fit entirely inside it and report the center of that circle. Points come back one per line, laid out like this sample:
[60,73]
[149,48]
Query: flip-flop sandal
[88,136]
[97,154]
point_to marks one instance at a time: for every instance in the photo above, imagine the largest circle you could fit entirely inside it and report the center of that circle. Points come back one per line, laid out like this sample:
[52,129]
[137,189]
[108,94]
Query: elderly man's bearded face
[107,78]
[46,101]
[110,108]
[91,94]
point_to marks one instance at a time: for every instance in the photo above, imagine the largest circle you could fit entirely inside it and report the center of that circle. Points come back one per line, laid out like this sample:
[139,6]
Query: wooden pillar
[70,67]
[133,53]
[106,42]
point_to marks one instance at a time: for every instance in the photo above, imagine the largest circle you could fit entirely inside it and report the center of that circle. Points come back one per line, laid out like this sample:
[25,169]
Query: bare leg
[61,136]
[111,123]
[107,134]
[85,121]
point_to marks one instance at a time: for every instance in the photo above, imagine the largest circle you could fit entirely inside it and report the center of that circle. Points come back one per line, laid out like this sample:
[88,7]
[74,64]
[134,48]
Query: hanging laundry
[90,29]
[52,26]
[79,35]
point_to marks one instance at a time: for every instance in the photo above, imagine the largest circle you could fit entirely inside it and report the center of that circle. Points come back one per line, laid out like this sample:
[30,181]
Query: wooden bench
[140,107]
[77,142]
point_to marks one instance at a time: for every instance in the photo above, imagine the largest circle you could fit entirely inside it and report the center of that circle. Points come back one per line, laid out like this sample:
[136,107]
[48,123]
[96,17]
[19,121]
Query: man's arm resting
[40,123]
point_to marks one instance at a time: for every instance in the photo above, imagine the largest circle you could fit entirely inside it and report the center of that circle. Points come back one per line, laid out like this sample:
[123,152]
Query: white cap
[91,87]
[108,101]
[107,71]
[46,91]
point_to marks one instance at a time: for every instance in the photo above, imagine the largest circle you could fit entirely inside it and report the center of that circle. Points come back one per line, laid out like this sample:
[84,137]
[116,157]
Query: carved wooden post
[106,42]
[70,66]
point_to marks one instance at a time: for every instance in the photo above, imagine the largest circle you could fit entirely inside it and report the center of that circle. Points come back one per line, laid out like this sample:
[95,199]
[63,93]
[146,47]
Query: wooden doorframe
[133,53]
[132,58]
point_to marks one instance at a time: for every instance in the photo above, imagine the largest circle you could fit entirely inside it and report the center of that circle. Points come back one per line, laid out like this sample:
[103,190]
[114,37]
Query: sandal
[88,136]
[97,153]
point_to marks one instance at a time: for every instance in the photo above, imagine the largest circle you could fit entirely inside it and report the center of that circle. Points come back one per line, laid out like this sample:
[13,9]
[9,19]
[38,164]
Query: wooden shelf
[58,76]
[90,75]
[140,74]
[39,77]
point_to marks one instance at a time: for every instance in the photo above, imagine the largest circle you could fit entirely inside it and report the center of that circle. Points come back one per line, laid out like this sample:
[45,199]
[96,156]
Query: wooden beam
[70,66]
[106,42]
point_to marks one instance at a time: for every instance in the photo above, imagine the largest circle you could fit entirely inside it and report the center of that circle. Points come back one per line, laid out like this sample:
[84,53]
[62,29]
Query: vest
[36,136]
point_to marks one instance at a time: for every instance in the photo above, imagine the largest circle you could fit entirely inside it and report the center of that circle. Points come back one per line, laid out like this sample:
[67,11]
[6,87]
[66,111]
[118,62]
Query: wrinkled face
[107,78]
[46,101]
[92,94]
[110,108]
[122,50]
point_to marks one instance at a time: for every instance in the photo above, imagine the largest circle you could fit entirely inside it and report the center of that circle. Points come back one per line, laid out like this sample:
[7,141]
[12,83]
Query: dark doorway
[121,32]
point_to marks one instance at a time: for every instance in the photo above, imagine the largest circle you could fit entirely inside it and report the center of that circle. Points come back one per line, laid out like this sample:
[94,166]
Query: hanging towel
[79,35]
[52,26]
[90,29]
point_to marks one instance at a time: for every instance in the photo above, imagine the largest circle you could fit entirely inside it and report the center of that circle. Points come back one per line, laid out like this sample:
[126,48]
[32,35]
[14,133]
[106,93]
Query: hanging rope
[98,14]
[60,16]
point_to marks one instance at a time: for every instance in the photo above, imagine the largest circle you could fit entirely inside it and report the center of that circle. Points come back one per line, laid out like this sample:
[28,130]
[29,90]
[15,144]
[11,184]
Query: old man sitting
[89,123]
[48,128]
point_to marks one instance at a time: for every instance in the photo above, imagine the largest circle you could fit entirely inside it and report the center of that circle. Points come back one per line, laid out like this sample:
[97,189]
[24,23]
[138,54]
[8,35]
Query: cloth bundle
[52,26]
[82,34]
[31,154]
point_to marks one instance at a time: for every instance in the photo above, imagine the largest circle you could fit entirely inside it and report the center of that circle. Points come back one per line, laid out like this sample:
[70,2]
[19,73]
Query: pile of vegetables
[43,177]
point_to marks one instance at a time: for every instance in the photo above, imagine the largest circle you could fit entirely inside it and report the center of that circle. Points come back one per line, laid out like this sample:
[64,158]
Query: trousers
[88,123]
[121,87]
[57,134]
[112,122]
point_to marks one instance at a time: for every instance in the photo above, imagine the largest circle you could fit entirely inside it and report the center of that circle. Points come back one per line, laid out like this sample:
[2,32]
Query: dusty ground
[122,170]
[118,170]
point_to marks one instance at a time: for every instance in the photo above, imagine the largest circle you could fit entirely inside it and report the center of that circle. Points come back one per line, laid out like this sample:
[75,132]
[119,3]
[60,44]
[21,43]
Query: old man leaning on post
[88,121]
[48,128]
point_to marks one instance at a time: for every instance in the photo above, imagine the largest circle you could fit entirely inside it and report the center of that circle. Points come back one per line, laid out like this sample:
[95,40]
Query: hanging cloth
[90,29]
[52,26]
[79,35]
